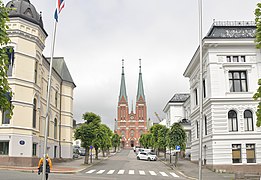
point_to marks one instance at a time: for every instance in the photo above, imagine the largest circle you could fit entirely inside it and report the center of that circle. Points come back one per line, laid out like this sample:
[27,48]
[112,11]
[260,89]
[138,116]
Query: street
[123,165]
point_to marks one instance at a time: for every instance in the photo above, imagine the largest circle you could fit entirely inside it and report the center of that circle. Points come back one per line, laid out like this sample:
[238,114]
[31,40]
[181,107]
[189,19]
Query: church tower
[131,125]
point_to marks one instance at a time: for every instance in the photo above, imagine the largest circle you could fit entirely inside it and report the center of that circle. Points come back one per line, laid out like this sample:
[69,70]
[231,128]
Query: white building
[231,69]
[22,137]
[177,110]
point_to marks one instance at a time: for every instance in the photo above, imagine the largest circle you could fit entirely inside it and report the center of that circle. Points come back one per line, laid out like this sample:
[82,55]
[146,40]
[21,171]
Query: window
[206,125]
[232,121]
[34,113]
[197,128]
[56,99]
[236,58]
[10,54]
[236,153]
[35,71]
[248,120]
[228,59]
[237,81]
[250,153]
[4,148]
[196,96]
[55,128]
[55,152]
[122,133]
[204,88]
[34,149]
[132,133]
[6,114]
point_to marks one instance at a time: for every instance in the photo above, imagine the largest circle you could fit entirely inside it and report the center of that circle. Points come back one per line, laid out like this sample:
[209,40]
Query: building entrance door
[132,143]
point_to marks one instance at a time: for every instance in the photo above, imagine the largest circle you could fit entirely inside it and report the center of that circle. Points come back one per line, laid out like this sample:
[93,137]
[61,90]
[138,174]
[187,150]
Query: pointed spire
[123,86]
[140,92]
[132,106]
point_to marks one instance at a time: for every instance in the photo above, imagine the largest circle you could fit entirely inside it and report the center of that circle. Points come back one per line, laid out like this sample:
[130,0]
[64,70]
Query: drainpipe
[60,122]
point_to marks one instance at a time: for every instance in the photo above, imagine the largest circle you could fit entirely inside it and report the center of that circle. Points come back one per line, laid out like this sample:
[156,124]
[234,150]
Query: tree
[162,140]
[257,95]
[177,137]
[106,140]
[116,141]
[86,132]
[5,90]
[154,130]
[146,140]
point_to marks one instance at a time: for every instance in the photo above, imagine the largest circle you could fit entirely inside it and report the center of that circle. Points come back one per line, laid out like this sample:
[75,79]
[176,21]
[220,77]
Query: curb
[188,177]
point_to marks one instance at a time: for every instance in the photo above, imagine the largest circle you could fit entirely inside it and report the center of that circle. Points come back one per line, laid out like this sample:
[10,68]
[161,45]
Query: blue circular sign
[22,142]
[91,147]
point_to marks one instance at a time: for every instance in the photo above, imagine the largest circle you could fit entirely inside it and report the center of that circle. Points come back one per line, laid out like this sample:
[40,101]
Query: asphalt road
[123,165]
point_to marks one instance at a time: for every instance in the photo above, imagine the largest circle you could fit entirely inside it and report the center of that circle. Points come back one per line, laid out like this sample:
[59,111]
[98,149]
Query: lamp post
[200,91]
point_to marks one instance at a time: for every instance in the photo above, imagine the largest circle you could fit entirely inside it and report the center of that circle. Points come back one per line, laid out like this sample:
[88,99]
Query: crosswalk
[132,172]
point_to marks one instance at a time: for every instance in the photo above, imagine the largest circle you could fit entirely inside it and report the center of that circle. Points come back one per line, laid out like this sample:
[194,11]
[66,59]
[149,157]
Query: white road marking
[121,172]
[100,172]
[163,173]
[131,171]
[153,173]
[174,175]
[111,172]
[142,172]
[91,171]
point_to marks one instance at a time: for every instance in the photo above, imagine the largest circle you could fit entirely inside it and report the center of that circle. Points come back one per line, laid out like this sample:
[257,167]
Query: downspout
[60,122]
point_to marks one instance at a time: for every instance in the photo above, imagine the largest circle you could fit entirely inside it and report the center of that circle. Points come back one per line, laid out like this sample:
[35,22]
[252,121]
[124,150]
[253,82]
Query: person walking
[49,166]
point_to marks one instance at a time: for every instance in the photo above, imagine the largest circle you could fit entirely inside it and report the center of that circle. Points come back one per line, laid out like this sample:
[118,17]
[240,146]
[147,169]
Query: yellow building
[22,137]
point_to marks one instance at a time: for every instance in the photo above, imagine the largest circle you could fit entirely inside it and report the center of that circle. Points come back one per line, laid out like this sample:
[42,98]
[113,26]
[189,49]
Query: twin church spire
[140,92]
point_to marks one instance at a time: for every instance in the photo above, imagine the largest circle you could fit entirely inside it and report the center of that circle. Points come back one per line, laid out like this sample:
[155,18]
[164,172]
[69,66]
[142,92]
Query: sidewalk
[190,170]
[69,167]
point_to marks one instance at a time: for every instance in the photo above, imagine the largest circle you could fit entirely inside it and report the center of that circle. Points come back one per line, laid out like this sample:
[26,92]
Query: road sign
[91,147]
[178,148]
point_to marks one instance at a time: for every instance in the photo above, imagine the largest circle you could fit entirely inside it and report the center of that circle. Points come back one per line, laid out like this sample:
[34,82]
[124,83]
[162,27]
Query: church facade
[131,125]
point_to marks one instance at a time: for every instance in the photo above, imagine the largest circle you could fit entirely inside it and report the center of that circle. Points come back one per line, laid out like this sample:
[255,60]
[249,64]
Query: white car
[147,156]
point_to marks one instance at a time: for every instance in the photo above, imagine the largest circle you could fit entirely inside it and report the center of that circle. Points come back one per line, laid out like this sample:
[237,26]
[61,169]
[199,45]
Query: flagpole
[48,103]
[200,91]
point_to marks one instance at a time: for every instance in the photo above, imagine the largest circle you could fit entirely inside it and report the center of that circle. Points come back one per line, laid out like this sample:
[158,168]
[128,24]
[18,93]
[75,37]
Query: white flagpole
[200,91]
[48,104]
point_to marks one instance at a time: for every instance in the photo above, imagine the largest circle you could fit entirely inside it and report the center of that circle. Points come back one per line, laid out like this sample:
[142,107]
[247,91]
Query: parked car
[146,150]
[82,152]
[147,156]
[75,153]
[138,150]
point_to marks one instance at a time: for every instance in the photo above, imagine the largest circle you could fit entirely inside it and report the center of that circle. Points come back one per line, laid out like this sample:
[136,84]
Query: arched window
[55,128]
[132,132]
[34,113]
[35,72]
[141,132]
[248,120]
[122,133]
[56,99]
[232,120]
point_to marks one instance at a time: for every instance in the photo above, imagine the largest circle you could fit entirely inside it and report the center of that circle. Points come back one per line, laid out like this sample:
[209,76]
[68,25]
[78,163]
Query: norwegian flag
[60,6]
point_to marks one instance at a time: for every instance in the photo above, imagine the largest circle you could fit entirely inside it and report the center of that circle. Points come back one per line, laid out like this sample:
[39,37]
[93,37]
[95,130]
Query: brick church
[130,125]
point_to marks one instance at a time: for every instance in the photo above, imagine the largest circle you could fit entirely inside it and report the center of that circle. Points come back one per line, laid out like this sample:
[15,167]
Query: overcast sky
[95,35]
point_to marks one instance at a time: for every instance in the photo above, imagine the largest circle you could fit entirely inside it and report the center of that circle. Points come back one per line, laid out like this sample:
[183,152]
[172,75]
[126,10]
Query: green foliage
[116,141]
[258,25]
[177,136]
[87,131]
[5,104]
[146,140]
[162,140]
[257,97]
[154,130]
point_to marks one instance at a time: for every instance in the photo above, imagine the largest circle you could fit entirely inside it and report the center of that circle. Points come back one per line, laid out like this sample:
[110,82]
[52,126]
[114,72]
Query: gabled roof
[61,68]
[179,97]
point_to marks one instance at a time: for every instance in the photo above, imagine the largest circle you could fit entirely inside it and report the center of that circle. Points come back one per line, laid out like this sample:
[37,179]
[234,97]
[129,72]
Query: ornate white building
[231,69]
[22,137]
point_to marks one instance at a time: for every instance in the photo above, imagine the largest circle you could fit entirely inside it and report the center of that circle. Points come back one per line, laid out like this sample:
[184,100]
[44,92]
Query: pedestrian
[49,166]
